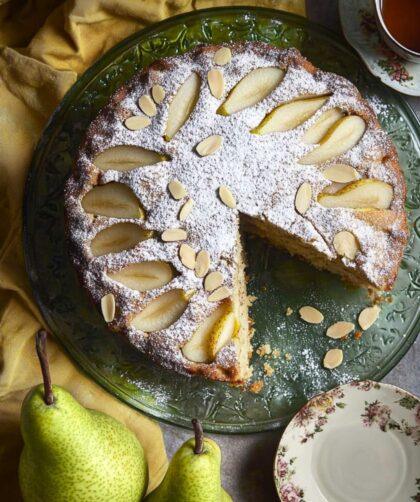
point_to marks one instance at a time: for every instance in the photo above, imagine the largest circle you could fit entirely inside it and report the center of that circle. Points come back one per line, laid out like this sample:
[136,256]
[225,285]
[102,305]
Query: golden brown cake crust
[382,234]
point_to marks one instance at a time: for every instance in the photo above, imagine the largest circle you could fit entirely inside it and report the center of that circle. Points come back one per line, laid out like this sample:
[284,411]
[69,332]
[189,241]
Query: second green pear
[191,476]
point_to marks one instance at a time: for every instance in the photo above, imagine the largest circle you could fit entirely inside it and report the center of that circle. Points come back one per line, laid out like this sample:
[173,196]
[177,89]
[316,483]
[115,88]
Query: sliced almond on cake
[117,238]
[346,244]
[126,157]
[137,122]
[252,89]
[219,294]
[318,130]
[144,276]
[216,83]
[202,263]
[115,200]
[303,198]
[290,115]
[162,312]
[340,173]
[222,56]
[187,256]
[366,193]
[147,106]
[174,234]
[177,189]
[226,197]
[209,145]
[186,210]
[182,105]
[341,137]
[158,94]
[340,329]
[333,358]
[213,280]
[108,307]
[368,316]
[204,341]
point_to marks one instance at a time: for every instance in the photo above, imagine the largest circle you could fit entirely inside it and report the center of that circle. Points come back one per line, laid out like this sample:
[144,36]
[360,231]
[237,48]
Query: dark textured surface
[248,460]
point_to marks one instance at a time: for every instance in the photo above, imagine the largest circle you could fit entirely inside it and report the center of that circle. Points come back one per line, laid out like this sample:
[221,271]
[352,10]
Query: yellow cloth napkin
[44,46]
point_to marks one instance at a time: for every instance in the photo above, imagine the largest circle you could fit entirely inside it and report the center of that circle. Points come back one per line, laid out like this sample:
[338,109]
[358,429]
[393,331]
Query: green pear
[74,454]
[193,474]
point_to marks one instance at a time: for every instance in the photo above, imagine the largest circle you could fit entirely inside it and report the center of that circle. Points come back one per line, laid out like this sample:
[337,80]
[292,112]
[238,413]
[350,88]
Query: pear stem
[198,433]
[40,343]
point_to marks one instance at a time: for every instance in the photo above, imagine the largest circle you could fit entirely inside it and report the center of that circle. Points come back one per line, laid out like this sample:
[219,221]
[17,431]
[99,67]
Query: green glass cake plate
[277,280]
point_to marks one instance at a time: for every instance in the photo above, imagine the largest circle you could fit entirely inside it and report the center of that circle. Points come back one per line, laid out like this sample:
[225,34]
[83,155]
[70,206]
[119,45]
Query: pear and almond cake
[197,144]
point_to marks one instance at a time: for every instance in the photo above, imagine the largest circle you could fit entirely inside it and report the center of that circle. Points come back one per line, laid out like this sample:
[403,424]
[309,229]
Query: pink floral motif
[392,63]
[380,414]
[290,493]
[304,416]
[282,467]
[365,385]
[314,415]
[377,413]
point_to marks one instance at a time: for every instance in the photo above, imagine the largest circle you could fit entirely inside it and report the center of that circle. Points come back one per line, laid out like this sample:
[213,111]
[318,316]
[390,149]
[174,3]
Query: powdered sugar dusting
[262,173]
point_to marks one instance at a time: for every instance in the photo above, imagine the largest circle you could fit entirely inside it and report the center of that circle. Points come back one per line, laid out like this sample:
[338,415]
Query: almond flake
[137,122]
[186,210]
[187,256]
[108,307]
[340,173]
[177,189]
[219,294]
[213,281]
[209,145]
[158,93]
[311,315]
[368,316]
[222,56]
[340,329]
[216,83]
[345,243]
[202,263]
[147,106]
[303,198]
[174,234]
[226,197]
[333,358]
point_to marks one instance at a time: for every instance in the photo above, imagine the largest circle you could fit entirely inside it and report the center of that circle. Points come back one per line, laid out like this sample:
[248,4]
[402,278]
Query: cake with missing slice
[196,149]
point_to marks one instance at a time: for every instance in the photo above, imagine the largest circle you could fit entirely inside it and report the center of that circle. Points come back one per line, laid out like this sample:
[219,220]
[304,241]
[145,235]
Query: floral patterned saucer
[359,27]
[357,442]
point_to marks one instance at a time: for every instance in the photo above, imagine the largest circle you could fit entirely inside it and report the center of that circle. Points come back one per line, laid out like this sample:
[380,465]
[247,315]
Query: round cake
[196,149]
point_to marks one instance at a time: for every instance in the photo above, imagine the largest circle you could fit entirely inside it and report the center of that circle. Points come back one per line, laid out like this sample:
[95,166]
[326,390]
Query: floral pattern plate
[278,280]
[359,27]
[357,442]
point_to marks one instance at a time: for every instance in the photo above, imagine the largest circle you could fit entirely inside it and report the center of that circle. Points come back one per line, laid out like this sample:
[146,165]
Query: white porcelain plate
[359,442]
[359,27]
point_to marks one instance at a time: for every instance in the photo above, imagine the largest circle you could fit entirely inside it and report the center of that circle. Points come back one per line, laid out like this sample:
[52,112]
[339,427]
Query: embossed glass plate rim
[48,134]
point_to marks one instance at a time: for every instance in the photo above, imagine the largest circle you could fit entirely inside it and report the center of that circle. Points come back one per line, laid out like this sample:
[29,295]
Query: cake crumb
[275,353]
[268,370]
[289,311]
[251,299]
[357,335]
[344,338]
[256,387]
[264,350]
[287,356]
